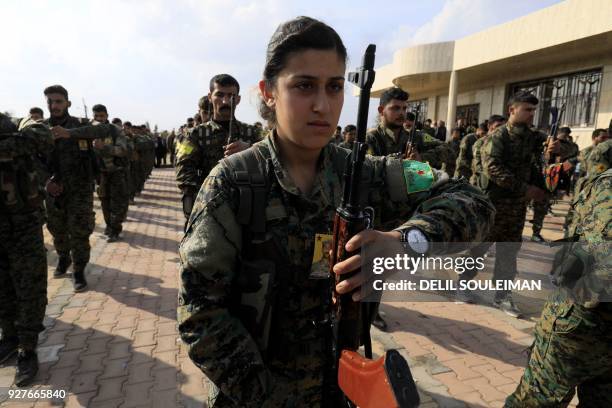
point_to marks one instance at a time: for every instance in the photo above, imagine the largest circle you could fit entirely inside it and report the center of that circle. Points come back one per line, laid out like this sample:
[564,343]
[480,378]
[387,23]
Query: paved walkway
[117,345]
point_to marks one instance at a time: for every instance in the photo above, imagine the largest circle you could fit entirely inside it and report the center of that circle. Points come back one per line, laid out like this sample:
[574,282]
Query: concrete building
[561,53]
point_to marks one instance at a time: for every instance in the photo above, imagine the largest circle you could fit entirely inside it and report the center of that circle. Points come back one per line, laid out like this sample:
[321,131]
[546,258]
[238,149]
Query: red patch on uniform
[420,172]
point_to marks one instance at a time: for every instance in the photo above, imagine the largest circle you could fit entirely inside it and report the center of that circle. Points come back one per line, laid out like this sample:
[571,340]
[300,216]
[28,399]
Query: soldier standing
[510,177]
[571,349]
[350,131]
[494,122]
[23,259]
[389,136]
[565,151]
[113,184]
[463,165]
[454,145]
[205,145]
[170,145]
[246,364]
[71,218]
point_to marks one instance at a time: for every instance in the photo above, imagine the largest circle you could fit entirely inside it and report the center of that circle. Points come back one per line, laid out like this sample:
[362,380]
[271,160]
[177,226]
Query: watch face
[417,241]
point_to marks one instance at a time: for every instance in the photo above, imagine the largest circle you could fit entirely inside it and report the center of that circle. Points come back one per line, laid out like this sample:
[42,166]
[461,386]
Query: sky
[150,61]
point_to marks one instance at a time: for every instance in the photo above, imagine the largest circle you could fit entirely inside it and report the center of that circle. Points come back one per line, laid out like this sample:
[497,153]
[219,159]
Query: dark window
[469,114]
[579,92]
[412,106]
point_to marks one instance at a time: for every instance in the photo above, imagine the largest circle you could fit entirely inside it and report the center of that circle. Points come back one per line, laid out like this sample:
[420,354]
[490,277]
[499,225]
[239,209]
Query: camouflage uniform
[381,142]
[477,161]
[23,260]
[201,151]
[463,165]
[454,147]
[510,159]
[113,186]
[71,219]
[572,339]
[290,371]
[568,151]
[347,145]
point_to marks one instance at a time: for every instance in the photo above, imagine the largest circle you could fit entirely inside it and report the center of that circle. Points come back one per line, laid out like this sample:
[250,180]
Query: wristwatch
[415,239]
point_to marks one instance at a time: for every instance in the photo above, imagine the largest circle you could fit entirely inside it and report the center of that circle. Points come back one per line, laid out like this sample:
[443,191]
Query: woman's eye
[304,86]
[337,87]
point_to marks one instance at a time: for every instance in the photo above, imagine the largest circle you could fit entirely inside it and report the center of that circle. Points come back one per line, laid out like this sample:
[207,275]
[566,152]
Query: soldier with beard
[389,136]
[205,145]
[71,218]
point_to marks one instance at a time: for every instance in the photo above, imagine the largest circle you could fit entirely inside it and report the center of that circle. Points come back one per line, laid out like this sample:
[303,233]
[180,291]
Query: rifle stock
[386,382]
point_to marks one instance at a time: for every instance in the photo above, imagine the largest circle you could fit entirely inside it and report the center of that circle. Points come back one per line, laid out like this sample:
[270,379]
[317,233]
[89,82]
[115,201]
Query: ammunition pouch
[19,184]
[570,264]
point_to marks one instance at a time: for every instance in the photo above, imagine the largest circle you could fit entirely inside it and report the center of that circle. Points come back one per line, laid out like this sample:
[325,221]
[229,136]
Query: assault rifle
[386,382]
[554,176]
[231,121]
[410,144]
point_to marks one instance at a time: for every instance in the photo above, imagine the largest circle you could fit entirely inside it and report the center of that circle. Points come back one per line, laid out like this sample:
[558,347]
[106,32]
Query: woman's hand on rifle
[354,262]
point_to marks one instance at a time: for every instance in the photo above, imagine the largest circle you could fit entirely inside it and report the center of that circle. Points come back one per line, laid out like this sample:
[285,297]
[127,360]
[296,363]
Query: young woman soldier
[250,309]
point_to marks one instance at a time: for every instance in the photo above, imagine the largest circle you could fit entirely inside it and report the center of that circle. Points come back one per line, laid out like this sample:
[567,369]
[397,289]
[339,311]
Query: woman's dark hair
[301,33]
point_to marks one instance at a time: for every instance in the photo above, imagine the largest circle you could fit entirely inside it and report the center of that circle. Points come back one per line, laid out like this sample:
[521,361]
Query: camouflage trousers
[71,220]
[540,209]
[506,233]
[571,350]
[114,199]
[23,277]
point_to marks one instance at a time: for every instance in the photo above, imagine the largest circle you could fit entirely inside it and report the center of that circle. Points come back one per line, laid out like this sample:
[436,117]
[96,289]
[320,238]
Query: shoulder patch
[185,148]
[417,175]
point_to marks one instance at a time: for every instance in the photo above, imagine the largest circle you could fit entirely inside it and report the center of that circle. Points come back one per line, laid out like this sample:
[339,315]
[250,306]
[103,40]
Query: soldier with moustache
[205,145]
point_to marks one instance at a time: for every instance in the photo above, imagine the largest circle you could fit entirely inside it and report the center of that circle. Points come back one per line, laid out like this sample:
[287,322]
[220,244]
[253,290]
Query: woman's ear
[266,94]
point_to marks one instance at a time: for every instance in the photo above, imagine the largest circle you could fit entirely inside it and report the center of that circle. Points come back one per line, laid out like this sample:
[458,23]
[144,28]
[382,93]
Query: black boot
[27,367]
[78,279]
[8,348]
[62,266]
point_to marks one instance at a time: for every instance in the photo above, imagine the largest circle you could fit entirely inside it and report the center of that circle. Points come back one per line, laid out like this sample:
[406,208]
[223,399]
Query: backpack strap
[250,173]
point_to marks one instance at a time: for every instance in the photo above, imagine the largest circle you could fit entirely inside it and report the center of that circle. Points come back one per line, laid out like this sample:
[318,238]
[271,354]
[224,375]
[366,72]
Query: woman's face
[308,97]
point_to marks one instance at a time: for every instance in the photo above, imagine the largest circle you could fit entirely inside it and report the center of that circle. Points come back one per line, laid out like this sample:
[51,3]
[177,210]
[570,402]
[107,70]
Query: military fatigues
[573,337]
[290,371]
[382,142]
[454,147]
[71,219]
[510,162]
[477,162]
[568,151]
[113,183]
[202,150]
[347,145]
[463,165]
[23,260]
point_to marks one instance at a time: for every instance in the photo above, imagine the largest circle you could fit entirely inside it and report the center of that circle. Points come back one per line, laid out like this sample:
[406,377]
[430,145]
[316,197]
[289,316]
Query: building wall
[491,94]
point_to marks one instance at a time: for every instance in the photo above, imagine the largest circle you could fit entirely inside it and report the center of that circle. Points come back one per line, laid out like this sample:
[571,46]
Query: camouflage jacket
[583,158]
[600,159]
[568,150]
[73,162]
[511,160]
[592,223]
[477,161]
[212,251]
[24,154]
[381,142]
[203,148]
[463,165]
[114,155]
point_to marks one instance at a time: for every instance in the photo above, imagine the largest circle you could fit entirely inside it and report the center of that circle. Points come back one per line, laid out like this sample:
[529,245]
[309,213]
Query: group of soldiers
[49,169]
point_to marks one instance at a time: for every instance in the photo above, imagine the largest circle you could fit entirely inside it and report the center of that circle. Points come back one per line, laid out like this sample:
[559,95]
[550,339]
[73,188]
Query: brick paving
[116,345]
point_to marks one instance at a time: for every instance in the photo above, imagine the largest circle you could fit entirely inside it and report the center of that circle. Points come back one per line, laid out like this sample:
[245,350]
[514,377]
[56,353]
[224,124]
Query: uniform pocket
[567,321]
